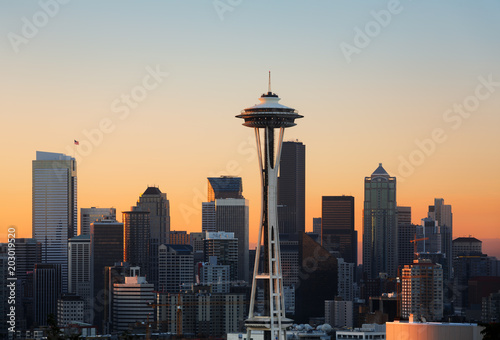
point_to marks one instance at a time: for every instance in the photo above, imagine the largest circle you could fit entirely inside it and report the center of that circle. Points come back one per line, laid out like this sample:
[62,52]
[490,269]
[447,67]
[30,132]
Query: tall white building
[131,302]
[90,215]
[345,280]
[175,267]
[54,204]
[422,290]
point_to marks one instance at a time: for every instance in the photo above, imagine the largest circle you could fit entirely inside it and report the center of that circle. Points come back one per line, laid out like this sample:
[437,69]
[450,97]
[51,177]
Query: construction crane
[414,241]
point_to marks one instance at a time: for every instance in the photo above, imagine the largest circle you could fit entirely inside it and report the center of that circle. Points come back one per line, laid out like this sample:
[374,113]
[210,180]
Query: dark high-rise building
[292,188]
[54,207]
[404,215]
[176,267]
[380,224]
[137,234]
[406,233]
[224,187]
[4,293]
[46,290]
[106,248]
[430,231]
[337,227]
[156,202]
[28,252]
[318,277]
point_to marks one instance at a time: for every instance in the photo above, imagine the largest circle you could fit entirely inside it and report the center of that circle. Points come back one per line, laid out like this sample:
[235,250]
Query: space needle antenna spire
[269,86]
[269,118]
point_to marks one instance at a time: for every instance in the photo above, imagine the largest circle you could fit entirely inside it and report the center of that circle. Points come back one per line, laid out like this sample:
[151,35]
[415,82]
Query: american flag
[77,142]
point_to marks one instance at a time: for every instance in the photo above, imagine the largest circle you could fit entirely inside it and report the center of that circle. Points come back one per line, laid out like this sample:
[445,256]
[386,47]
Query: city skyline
[403,87]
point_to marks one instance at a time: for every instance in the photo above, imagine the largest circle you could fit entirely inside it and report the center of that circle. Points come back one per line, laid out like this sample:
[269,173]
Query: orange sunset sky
[427,75]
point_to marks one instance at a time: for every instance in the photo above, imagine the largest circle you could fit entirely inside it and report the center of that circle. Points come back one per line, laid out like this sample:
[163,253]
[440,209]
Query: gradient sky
[63,79]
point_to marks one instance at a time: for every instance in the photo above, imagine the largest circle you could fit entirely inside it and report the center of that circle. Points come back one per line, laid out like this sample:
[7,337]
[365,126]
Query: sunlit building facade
[54,204]
[422,291]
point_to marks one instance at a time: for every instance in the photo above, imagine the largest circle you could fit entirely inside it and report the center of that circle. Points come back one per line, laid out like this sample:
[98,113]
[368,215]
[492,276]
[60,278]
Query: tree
[54,332]
[491,331]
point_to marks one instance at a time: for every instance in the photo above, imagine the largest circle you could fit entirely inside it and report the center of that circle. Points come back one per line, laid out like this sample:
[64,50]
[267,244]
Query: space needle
[268,116]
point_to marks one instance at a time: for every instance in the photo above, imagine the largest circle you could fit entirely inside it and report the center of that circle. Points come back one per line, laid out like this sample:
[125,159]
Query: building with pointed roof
[380,225]
[156,202]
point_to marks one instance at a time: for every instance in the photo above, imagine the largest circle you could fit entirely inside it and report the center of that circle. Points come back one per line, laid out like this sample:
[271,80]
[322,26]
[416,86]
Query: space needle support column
[269,115]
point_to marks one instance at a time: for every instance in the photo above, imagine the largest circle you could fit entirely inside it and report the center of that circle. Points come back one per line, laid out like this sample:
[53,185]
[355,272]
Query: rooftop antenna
[269,87]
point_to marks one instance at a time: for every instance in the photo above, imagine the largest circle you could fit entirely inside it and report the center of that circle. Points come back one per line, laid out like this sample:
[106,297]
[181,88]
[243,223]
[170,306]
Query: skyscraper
[317,225]
[227,210]
[106,248]
[54,207]
[292,188]
[224,187]
[404,215]
[422,290]
[208,217]
[430,231]
[406,253]
[379,224]
[176,267]
[156,202]
[79,275]
[28,252]
[337,227]
[345,280]
[4,292]
[89,215]
[136,229]
[46,290]
[223,246]
[215,275]
[441,213]
[131,302]
[406,233]
[232,216]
